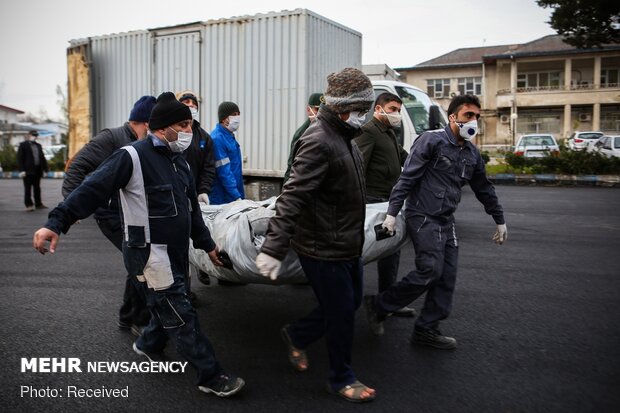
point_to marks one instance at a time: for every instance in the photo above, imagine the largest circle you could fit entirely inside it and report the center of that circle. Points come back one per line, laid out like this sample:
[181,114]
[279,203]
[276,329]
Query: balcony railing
[582,86]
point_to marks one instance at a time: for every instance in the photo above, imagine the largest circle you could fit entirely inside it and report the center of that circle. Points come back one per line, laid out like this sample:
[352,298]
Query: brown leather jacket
[321,210]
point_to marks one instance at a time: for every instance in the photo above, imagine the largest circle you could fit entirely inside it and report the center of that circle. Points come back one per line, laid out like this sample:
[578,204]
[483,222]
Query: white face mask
[233,123]
[468,130]
[194,113]
[356,119]
[394,118]
[184,139]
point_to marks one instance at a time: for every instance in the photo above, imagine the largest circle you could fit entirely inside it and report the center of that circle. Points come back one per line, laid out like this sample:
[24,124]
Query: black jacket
[26,160]
[90,157]
[383,158]
[321,210]
[201,159]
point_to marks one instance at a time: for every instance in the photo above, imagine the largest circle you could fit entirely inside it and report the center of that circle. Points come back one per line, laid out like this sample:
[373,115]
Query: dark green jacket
[383,158]
[291,155]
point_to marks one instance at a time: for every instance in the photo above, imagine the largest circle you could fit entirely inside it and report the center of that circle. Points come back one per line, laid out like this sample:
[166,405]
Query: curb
[49,175]
[608,181]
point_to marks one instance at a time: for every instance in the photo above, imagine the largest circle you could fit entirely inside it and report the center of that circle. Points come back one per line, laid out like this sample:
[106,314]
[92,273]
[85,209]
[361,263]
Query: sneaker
[124,325]
[374,320]
[151,355]
[405,312]
[433,338]
[137,330]
[223,385]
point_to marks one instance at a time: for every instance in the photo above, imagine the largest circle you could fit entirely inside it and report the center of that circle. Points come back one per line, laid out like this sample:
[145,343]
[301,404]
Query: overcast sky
[34,34]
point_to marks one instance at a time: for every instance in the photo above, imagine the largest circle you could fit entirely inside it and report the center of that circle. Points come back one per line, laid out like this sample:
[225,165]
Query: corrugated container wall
[120,74]
[267,63]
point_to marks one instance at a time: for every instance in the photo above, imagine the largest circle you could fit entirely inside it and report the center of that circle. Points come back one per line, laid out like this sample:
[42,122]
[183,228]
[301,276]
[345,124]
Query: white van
[420,114]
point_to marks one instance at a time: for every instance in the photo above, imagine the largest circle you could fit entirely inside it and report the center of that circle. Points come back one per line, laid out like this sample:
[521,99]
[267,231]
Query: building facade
[544,86]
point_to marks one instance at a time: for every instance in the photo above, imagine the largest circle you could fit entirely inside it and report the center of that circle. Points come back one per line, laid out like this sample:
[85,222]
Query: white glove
[501,234]
[389,224]
[268,266]
[22,174]
[204,198]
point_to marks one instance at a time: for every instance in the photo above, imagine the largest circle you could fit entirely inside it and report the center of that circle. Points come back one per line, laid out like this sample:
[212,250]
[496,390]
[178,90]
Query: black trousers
[32,183]
[134,309]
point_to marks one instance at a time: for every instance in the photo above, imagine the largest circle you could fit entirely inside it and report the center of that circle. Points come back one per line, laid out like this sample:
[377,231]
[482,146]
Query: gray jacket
[434,173]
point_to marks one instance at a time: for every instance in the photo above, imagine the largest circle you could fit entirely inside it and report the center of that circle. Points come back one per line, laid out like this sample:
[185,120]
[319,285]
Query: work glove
[268,266]
[204,198]
[501,234]
[22,174]
[389,224]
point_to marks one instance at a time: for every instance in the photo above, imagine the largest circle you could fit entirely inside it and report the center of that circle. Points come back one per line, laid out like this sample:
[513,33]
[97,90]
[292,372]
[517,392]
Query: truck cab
[419,112]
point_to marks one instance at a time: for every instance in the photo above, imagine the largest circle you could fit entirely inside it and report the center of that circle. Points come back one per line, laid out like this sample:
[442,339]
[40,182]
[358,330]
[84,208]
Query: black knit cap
[226,109]
[168,111]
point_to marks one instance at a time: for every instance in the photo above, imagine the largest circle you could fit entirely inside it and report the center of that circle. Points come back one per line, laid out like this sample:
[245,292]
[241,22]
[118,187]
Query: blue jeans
[436,248]
[338,286]
[172,316]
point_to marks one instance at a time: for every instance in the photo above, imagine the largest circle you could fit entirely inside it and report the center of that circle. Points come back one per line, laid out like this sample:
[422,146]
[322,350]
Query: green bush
[567,162]
[8,158]
[57,163]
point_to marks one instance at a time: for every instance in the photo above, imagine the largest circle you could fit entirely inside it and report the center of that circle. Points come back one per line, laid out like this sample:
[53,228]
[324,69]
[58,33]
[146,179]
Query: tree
[585,23]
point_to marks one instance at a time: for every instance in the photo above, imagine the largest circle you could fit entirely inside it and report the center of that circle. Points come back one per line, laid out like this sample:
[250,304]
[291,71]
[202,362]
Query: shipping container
[266,63]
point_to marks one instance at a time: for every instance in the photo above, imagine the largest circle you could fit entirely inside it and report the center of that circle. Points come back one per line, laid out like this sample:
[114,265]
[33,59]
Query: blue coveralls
[228,185]
[160,212]
[434,173]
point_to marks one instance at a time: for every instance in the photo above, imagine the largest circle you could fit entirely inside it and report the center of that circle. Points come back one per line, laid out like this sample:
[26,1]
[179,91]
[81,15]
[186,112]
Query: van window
[417,104]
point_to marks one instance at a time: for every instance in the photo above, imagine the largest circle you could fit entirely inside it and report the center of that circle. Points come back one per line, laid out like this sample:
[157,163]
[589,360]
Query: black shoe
[375,322]
[124,325]
[203,277]
[405,312]
[433,338]
[151,355]
[41,206]
[223,385]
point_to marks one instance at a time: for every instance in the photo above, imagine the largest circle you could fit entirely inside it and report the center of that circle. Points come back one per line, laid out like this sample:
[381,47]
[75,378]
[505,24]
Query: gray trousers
[436,249]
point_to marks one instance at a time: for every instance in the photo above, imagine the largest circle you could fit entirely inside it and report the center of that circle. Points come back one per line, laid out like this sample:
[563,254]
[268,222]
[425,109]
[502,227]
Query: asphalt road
[536,320]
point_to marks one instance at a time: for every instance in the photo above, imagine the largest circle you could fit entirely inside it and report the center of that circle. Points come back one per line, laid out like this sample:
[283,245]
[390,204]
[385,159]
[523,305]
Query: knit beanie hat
[349,90]
[142,109]
[315,99]
[168,111]
[226,109]
[188,95]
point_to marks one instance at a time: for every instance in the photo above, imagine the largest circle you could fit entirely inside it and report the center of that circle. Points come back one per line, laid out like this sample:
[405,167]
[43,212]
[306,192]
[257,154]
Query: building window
[609,77]
[470,85]
[438,88]
[538,81]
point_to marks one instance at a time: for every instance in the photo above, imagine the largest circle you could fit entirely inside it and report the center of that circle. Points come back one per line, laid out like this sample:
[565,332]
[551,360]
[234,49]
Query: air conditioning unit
[504,118]
[585,117]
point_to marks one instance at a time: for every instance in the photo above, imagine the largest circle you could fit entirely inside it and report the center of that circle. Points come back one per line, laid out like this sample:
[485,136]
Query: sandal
[356,397]
[297,357]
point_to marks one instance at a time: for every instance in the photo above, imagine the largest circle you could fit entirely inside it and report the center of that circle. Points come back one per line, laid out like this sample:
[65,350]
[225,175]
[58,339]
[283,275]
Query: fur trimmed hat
[188,95]
[349,90]
[168,111]
[142,109]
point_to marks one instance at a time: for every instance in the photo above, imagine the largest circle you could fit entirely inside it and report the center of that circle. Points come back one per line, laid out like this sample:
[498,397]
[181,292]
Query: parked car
[581,140]
[536,145]
[607,145]
[50,151]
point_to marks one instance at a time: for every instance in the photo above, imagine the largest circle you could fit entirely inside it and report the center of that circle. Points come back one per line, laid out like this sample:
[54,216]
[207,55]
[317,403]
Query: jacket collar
[454,141]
